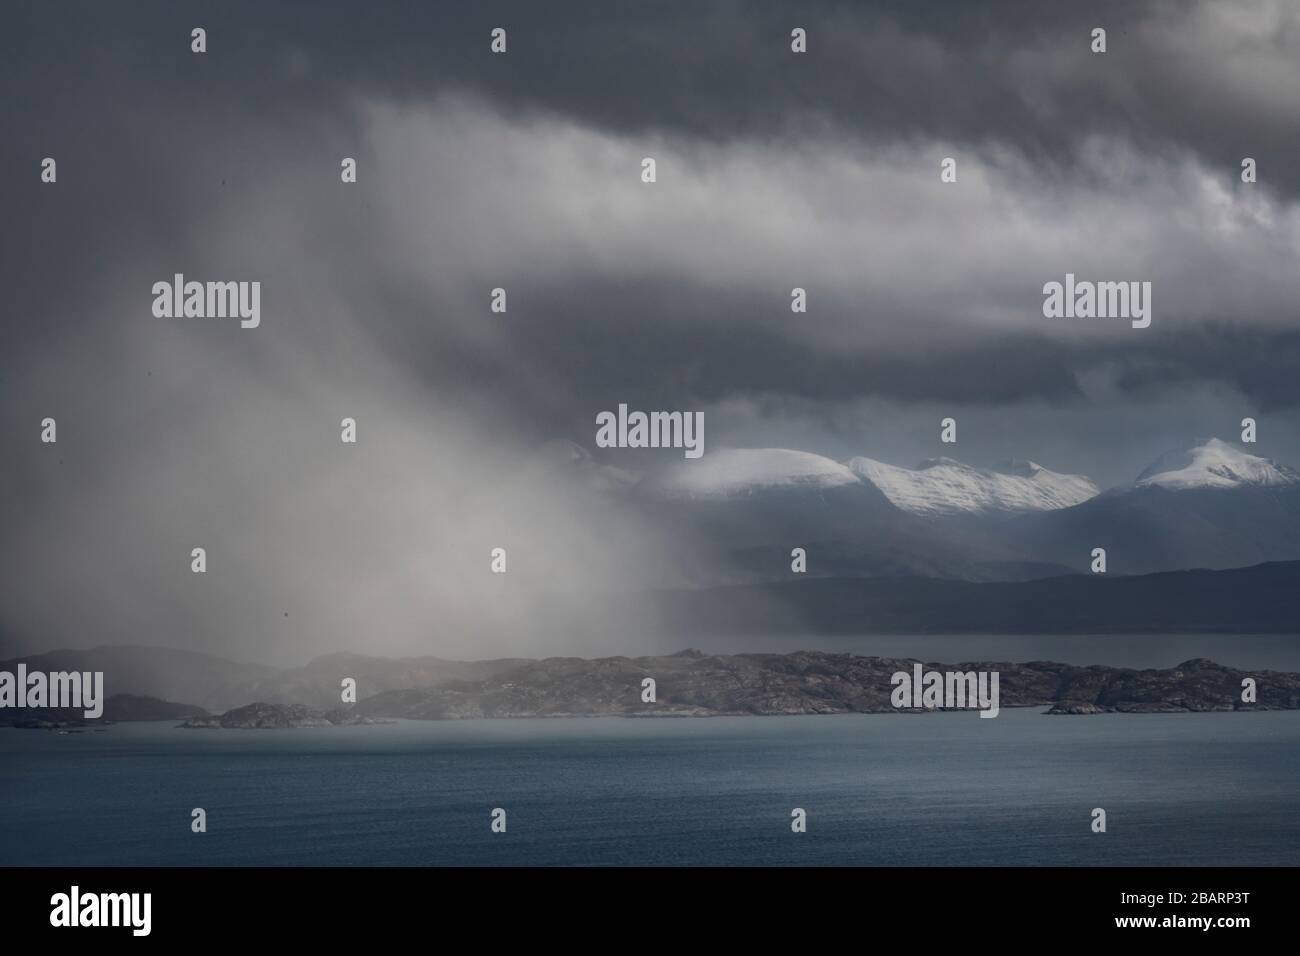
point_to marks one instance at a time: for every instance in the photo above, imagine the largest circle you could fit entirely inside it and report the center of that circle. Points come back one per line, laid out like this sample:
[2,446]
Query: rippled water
[880,789]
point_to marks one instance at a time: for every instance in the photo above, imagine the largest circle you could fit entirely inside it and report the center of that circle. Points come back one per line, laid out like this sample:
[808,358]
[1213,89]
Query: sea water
[887,789]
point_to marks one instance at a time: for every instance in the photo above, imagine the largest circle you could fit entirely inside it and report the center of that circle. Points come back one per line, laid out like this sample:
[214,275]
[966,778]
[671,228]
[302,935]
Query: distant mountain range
[942,486]
[1205,540]
[1211,505]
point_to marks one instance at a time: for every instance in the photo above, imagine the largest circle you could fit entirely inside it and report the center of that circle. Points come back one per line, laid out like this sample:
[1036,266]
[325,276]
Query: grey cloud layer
[777,170]
[1218,78]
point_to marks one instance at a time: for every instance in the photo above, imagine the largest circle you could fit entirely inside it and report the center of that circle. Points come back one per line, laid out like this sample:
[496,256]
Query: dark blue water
[939,789]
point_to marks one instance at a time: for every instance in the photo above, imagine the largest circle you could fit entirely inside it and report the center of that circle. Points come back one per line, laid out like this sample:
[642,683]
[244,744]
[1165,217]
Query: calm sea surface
[938,789]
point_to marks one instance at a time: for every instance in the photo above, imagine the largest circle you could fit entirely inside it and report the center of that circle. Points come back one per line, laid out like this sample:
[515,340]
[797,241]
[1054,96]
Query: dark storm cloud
[150,135]
[143,159]
[1218,79]
[696,346]
[742,358]
[1261,366]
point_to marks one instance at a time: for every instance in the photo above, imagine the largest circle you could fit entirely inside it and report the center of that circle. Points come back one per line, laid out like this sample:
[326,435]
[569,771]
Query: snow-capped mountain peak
[1212,463]
[942,486]
[738,471]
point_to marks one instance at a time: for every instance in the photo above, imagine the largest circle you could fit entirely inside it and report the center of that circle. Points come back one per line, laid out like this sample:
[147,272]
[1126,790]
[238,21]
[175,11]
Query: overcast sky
[522,170]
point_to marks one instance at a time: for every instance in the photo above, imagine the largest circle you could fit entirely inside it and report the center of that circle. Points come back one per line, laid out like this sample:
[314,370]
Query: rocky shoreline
[120,708]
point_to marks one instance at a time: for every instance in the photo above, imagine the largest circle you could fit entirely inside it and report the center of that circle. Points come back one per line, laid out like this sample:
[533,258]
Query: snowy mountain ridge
[731,472]
[942,486]
[945,487]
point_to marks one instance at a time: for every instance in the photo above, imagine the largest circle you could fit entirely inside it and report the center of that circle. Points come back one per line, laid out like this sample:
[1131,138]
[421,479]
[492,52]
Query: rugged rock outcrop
[810,682]
[262,716]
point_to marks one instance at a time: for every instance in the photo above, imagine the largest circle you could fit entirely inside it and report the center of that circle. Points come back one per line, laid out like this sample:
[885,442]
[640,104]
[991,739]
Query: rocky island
[694,684]
[260,715]
[691,683]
